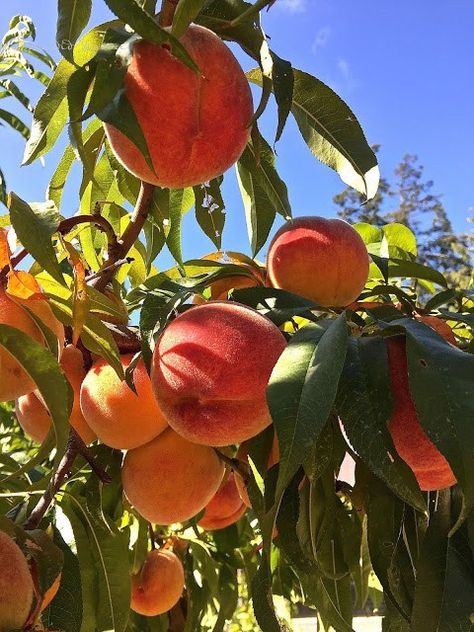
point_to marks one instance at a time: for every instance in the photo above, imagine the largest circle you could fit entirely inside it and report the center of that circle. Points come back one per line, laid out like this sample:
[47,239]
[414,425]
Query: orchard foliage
[285,524]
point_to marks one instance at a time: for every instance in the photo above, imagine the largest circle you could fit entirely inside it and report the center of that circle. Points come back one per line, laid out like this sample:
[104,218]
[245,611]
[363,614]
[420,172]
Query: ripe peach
[16,585]
[159,584]
[221,287]
[431,469]
[324,260]
[170,479]
[196,124]
[120,418]
[210,369]
[34,417]
[15,381]
[225,507]
[242,455]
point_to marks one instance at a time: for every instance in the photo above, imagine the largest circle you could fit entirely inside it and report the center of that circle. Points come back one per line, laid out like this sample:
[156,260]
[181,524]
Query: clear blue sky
[405,68]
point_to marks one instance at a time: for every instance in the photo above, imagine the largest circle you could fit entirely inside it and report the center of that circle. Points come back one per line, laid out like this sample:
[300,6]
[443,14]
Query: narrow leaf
[73,16]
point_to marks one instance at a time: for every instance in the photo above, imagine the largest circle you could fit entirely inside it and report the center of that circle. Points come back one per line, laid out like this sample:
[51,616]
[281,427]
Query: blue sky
[405,68]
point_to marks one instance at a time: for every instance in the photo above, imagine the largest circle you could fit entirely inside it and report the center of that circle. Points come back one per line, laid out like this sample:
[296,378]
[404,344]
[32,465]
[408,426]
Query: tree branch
[75,446]
[168,7]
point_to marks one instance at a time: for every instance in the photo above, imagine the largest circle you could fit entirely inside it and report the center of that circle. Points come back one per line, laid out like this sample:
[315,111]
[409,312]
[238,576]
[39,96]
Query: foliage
[311,537]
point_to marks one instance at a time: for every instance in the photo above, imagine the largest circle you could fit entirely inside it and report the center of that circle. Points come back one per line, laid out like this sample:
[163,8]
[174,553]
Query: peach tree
[214,445]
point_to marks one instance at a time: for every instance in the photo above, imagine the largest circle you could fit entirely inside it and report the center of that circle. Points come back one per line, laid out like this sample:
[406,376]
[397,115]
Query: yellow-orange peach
[196,124]
[15,381]
[429,466]
[170,479]
[242,455]
[159,584]
[225,508]
[120,418]
[220,288]
[210,369]
[34,417]
[16,585]
[324,260]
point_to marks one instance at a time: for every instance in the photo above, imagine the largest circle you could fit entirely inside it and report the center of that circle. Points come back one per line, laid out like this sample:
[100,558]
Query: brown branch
[75,446]
[130,235]
[168,7]
[100,222]
[235,464]
[110,268]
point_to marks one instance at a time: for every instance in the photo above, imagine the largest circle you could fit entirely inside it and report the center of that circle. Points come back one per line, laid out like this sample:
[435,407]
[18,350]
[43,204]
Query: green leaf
[210,210]
[77,89]
[259,210]
[12,89]
[145,25]
[283,83]
[51,112]
[442,388]
[108,548]
[65,612]
[398,236]
[45,372]
[261,165]
[73,16]
[262,600]
[444,593]
[364,404]
[332,132]
[3,188]
[411,269]
[34,225]
[186,12]
[302,390]
[15,122]
[173,239]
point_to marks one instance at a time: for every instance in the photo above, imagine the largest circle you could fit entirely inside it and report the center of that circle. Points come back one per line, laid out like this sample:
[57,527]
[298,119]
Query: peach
[225,508]
[221,287]
[170,479]
[324,260]
[34,417]
[196,124]
[16,585]
[159,584]
[210,370]
[120,418]
[15,381]
[242,455]
[429,466]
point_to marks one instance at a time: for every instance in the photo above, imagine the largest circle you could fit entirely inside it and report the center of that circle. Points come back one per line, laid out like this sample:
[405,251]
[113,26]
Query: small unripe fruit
[210,370]
[16,585]
[171,479]
[196,124]
[120,418]
[159,584]
[324,260]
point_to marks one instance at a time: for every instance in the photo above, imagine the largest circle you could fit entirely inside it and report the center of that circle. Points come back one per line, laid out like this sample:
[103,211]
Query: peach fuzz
[196,124]
[225,508]
[170,479]
[120,418]
[210,370]
[34,417]
[16,585]
[15,381]
[159,584]
[242,455]
[431,469]
[323,260]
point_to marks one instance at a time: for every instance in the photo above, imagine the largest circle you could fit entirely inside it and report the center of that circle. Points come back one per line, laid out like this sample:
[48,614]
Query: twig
[235,464]
[100,222]
[130,235]
[75,446]
[168,7]
[110,268]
